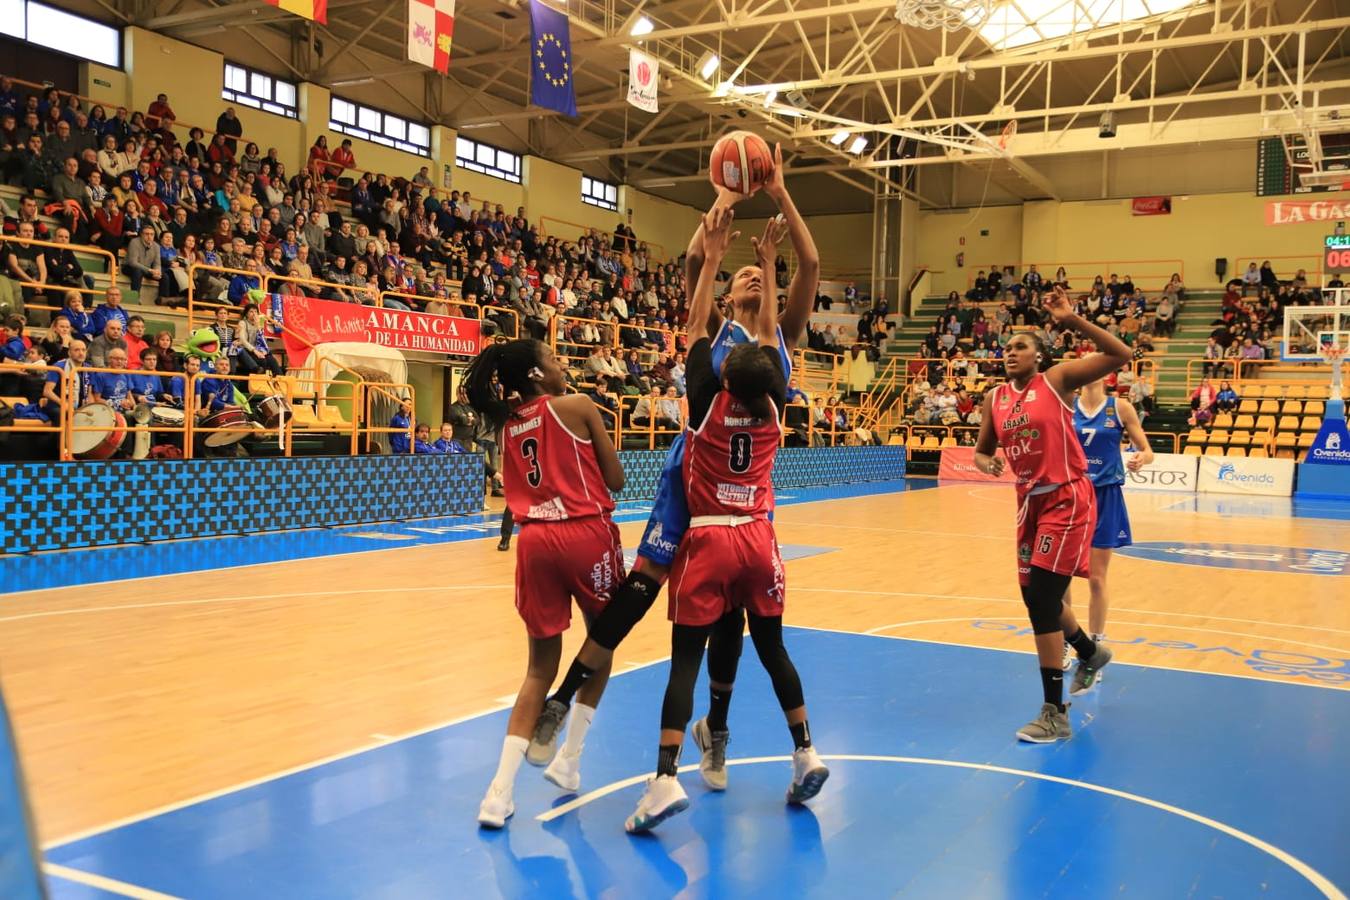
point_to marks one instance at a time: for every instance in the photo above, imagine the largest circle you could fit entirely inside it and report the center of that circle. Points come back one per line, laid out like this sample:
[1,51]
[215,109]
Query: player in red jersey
[559,467]
[728,565]
[1031,418]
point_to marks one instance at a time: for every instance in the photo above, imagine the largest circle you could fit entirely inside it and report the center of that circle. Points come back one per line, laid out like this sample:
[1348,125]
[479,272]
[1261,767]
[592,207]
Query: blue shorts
[1113,520]
[670,511]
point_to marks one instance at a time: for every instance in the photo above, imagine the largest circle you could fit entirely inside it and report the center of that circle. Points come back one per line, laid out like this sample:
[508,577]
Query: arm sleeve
[701,382]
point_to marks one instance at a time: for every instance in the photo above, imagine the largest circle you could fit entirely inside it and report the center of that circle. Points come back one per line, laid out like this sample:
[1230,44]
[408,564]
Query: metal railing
[41,287]
[1146,274]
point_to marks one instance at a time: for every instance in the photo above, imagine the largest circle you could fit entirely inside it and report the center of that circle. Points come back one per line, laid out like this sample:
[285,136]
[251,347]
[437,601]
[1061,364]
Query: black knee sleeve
[686,655]
[724,647]
[767,634]
[1044,599]
[625,609]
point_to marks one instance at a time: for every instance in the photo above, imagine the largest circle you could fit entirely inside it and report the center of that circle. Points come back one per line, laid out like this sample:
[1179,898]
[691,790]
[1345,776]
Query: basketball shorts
[1113,519]
[1054,530]
[670,512]
[557,562]
[721,567]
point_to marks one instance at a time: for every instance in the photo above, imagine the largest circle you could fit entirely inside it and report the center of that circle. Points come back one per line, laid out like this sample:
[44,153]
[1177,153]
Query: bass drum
[230,417]
[272,411]
[106,430]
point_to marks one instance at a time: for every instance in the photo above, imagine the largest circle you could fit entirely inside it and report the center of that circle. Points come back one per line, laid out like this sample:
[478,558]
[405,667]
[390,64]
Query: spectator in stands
[1165,317]
[113,388]
[600,394]
[1227,399]
[26,264]
[56,345]
[143,259]
[1252,350]
[109,339]
[1203,401]
[134,338]
[215,392]
[342,159]
[1268,278]
[228,124]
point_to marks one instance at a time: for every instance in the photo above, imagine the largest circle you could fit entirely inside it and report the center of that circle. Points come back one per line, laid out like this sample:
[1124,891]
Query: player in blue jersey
[750,286]
[1102,423]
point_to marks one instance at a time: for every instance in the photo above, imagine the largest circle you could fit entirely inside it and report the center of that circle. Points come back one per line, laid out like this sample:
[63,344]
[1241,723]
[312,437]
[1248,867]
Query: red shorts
[1054,530]
[559,561]
[721,567]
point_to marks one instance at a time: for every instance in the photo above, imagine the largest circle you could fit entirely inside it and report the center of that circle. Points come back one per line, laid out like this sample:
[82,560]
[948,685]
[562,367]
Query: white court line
[1263,637]
[250,597]
[1314,877]
[111,885]
[1148,612]
[303,767]
[1137,665]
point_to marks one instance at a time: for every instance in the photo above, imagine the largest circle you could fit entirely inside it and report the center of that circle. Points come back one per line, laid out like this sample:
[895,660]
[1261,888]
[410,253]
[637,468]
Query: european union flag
[551,60]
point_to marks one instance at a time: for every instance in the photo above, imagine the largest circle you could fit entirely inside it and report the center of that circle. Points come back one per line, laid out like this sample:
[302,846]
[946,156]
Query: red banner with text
[309,319]
[1151,206]
[1295,212]
[958,464]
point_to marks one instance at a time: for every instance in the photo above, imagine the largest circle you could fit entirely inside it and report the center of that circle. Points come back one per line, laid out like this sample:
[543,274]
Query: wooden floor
[137,694]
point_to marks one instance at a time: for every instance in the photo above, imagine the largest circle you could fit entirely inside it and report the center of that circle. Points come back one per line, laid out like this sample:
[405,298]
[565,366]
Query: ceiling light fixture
[769,98]
[642,26]
[839,137]
[858,146]
[707,65]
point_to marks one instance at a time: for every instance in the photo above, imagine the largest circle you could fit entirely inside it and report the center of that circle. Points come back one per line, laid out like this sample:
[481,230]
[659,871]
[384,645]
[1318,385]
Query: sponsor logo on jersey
[1024,552]
[1016,421]
[1031,395]
[527,425]
[549,510]
[736,494]
[1110,422]
[602,577]
[655,538]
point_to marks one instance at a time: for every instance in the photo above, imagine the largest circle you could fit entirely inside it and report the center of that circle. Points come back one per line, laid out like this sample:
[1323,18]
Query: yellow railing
[63,289]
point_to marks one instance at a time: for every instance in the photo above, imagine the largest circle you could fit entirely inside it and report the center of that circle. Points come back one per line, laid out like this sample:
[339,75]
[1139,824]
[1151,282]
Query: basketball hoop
[949,15]
[1333,354]
[1009,132]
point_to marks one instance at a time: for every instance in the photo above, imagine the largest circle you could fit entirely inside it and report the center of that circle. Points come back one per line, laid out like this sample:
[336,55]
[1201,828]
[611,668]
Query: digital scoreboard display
[1336,253]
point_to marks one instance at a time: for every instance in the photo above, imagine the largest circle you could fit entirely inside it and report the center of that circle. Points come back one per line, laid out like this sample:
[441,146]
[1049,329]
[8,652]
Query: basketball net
[1334,355]
[949,15]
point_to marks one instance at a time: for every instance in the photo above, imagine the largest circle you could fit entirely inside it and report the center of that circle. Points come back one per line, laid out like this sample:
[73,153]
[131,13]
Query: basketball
[741,162]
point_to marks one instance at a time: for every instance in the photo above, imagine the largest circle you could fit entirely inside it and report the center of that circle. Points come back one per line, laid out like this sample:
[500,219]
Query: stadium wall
[1200,228]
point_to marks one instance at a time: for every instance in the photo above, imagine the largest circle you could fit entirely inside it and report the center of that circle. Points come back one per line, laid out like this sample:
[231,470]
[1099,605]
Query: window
[379,127]
[75,35]
[487,159]
[260,91]
[599,193]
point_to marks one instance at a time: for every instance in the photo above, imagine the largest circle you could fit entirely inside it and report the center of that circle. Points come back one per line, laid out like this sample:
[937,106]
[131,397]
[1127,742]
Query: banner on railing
[309,319]
[958,464]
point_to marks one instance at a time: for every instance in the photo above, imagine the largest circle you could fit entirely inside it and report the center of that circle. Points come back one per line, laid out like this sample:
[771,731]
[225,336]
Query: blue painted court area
[54,569]
[1170,787]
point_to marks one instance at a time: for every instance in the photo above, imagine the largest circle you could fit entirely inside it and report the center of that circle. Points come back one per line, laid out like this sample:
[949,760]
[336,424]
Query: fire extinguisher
[961,259]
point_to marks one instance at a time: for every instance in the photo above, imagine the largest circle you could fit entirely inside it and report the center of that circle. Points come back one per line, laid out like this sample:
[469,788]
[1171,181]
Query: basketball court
[321,723]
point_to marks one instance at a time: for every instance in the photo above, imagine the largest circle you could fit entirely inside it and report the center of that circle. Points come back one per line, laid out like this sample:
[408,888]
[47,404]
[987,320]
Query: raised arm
[802,291]
[1068,376]
[766,249]
[717,236]
[695,256]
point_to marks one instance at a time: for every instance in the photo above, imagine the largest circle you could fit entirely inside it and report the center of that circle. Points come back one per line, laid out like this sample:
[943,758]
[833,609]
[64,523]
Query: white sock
[513,754]
[577,728]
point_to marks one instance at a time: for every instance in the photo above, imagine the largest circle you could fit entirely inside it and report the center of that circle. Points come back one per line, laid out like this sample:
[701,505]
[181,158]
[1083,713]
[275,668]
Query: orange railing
[1286,267]
[1147,274]
[86,249]
[574,230]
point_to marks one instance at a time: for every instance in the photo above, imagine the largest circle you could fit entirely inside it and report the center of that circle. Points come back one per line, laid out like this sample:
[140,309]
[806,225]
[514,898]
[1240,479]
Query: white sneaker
[1067,662]
[663,798]
[565,771]
[496,807]
[713,745]
[808,775]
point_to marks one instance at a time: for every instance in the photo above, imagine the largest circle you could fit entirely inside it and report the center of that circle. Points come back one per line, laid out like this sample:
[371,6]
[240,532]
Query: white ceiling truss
[801,71]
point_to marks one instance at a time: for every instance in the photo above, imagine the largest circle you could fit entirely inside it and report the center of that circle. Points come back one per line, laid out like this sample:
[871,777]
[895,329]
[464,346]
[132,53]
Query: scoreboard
[1336,254]
[1275,176]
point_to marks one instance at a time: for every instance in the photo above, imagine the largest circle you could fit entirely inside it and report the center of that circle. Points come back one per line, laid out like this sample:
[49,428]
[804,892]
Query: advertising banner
[958,464]
[1169,472]
[326,321]
[1242,475]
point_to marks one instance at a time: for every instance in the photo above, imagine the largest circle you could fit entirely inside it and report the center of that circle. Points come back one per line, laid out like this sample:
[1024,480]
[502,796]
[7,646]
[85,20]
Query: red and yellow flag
[309,9]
